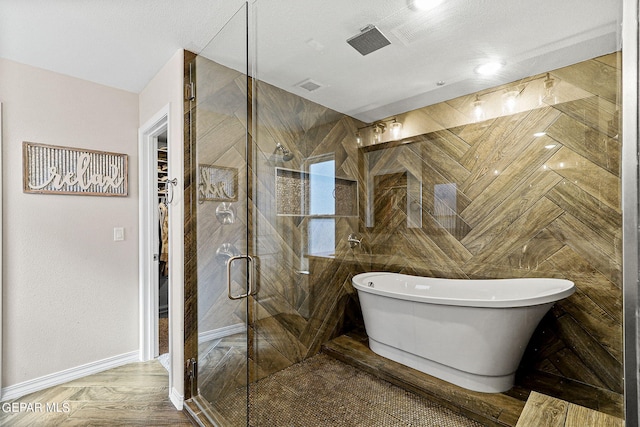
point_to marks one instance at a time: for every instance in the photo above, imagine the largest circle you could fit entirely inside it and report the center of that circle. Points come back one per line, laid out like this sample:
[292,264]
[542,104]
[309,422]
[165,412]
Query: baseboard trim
[176,398]
[31,386]
[225,331]
[21,389]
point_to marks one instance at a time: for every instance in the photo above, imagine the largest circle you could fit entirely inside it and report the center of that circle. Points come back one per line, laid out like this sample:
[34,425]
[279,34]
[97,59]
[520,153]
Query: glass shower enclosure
[326,139]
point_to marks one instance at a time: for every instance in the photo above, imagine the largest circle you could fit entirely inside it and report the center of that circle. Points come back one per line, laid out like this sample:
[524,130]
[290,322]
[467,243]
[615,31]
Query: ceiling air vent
[309,85]
[369,40]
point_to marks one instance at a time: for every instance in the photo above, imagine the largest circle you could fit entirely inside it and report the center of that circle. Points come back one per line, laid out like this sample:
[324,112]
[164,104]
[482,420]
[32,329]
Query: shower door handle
[250,278]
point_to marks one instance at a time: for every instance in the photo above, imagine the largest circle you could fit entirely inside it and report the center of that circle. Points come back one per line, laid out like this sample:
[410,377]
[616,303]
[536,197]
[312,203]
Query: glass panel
[322,187]
[456,172]
[220,210]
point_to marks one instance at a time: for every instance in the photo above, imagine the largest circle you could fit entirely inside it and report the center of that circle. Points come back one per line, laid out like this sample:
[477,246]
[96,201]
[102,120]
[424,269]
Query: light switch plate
[118,234]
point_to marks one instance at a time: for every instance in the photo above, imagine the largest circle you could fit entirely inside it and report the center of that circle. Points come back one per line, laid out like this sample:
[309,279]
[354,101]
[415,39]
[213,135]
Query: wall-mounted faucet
[354,240]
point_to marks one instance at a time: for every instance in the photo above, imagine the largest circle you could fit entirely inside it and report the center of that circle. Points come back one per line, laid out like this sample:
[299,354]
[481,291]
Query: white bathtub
[471,333]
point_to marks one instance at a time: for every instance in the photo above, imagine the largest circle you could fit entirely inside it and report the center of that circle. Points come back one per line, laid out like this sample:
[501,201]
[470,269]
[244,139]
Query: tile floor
[318,392]
[322,391]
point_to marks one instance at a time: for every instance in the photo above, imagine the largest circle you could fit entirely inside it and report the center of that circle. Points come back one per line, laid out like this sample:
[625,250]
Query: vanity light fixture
[379,128]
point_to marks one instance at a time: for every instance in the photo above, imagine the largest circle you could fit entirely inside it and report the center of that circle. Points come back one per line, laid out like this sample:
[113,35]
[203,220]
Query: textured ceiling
[123,43]
[118,43]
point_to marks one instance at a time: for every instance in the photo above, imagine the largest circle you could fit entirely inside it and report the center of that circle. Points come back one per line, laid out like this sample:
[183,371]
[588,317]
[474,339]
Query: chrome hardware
[169,189]
[250,279]
[370,284]
[354,240]
[192,374]
[190,91]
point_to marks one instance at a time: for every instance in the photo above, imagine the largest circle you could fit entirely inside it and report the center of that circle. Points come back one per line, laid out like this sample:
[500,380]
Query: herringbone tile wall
[533,193]
[455,198]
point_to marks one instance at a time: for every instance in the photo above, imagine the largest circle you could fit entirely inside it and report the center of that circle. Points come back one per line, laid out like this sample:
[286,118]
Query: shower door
[218,267]
[499,176]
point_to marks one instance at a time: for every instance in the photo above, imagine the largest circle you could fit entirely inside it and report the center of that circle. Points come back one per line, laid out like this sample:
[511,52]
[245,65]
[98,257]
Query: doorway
[156,191]
[164,194]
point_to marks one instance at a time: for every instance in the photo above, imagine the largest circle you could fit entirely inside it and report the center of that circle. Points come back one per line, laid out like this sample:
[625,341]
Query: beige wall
[70,291]
[166,88]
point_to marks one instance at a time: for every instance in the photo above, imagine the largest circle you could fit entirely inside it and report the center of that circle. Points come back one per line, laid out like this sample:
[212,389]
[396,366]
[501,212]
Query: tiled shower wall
[457,198]
[295,310]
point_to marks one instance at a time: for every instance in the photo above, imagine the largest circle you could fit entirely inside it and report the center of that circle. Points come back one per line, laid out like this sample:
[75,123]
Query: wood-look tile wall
[221,115]
[293,312]
[493,201]
[499,202]
[299,306]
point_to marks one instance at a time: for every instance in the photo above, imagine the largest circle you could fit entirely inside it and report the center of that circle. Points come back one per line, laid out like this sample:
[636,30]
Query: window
[321,228]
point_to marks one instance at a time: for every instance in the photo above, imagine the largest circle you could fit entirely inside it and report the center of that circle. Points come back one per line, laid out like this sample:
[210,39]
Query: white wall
[70,291]
[167,88]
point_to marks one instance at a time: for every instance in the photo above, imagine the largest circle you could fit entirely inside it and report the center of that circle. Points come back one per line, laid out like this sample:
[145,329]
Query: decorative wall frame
[217,183]
[52,169]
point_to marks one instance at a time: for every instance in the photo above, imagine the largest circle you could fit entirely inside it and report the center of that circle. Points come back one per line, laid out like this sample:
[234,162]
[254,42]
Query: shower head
[368,40]
[286,153]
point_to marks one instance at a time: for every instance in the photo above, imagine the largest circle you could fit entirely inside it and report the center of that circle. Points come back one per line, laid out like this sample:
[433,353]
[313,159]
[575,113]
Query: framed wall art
[51,169]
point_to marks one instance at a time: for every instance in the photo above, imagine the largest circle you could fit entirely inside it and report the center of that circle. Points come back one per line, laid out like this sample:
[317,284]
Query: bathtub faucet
[354,240]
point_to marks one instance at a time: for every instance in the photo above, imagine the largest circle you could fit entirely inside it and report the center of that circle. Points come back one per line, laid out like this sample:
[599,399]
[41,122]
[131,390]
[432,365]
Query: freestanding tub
[471,333]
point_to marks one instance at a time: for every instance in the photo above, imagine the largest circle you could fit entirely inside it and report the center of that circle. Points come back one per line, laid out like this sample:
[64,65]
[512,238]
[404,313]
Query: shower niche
[302,193]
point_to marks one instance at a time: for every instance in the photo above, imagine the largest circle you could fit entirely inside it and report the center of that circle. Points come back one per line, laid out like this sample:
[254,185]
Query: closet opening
[163,242]
[155,211]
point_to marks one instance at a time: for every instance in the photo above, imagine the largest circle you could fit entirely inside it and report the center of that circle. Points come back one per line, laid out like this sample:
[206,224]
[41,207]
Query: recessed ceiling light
[424,4]
[489,68]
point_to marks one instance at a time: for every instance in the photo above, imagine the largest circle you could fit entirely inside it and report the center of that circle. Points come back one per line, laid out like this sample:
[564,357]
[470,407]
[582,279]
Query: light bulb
[396,128]
[358,138]
[509,102]
[548,96]
[377,134]
[478,111]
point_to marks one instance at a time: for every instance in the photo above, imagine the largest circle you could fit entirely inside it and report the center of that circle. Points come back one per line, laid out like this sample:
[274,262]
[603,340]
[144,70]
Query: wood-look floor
[542,410]
[132,395]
